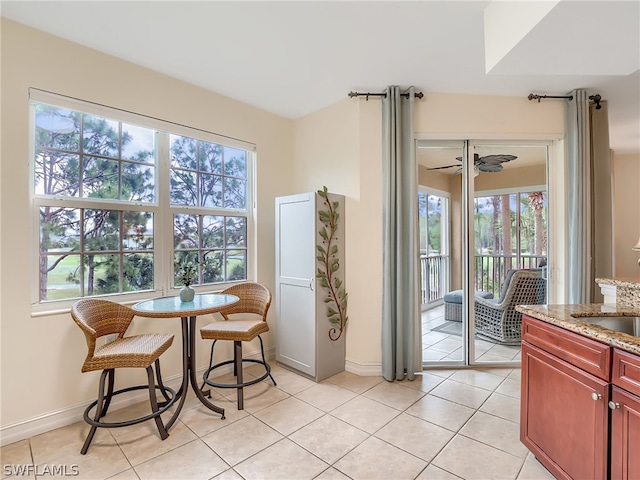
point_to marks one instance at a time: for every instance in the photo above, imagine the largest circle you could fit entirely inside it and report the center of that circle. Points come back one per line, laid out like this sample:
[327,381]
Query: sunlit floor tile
[478,378]
[461,393]
[425,382]
[502,406]
[435,473]
[444,413]
[534,470]
[332,474]
[129,474]
[355,383]
[291,383]
[474,460]
[194,460]
[394,394]
[103,459]
[15,455]
[509,387]
[242,439]
[365,414]
[416,436]
[329,438]
[326,396]
[283,460]
[142,445]
[202,421]
[375,459]
[289,415]
[230,474]
[496,432]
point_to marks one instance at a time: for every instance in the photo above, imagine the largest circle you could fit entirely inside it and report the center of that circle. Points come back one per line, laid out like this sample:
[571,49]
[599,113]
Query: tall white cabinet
[302,326]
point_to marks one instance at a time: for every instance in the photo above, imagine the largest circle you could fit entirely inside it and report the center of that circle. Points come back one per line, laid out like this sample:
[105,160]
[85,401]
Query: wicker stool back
[97,318]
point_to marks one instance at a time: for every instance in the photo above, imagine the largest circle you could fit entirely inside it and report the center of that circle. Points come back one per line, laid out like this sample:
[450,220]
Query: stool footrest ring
[134,421]
[236,385]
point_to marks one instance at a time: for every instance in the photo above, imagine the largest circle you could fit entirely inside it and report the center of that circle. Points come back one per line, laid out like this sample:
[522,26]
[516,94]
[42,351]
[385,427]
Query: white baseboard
[363,369]
[61,418]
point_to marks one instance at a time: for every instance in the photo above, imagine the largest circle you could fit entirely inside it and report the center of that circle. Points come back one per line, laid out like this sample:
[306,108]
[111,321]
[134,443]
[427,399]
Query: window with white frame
[123,200]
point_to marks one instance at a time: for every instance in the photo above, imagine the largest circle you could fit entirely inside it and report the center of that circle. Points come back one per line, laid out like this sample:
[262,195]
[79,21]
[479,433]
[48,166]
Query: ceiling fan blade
[484,167]
[496,159]
[440,168]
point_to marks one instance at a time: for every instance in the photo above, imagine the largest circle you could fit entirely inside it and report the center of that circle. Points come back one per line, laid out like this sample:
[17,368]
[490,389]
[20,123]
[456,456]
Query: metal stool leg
[237,366]
[265,362]
[207,371]
[163,390]
[109,392]
[99,406]
[154,404]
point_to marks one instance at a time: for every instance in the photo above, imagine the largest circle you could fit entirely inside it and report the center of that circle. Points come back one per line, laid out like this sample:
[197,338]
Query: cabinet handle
[613,405]
[311,284]
[596,396]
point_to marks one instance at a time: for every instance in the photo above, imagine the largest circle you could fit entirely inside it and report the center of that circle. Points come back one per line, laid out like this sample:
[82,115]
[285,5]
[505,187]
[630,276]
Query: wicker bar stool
[254,299]
[97,318]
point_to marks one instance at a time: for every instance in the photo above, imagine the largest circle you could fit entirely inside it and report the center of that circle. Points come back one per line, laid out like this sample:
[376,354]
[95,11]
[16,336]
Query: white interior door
[295,278]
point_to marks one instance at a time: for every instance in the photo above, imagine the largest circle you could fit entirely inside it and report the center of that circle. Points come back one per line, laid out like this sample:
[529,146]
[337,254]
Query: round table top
[171,307]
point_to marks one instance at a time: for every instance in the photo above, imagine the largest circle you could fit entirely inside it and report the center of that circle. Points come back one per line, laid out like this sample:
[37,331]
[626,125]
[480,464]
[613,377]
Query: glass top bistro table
[173,307]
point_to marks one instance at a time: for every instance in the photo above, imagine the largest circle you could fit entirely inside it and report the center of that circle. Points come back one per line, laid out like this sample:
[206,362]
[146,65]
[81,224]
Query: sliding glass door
[483,215]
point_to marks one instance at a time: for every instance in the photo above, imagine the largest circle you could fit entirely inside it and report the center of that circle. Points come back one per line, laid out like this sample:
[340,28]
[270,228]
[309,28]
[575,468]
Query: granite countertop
[568,317]
[619,282]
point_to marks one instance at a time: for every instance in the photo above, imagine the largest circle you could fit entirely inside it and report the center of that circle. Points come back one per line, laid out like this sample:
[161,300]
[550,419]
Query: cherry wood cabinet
[625,416]
[564,416]
[580,404]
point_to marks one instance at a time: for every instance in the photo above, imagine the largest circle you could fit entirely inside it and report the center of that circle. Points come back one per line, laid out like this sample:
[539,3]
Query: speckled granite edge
[565,316]
[627,291]
[619,282]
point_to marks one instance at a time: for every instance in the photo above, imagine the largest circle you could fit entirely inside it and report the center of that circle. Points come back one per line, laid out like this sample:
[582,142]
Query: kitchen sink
[629,325]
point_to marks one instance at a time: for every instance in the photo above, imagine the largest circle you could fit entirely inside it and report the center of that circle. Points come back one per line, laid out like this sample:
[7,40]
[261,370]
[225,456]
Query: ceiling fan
[488,163]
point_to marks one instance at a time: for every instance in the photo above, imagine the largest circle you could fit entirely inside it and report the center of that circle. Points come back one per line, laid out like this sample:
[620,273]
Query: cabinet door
[625,435]
[563,417]
[295,282]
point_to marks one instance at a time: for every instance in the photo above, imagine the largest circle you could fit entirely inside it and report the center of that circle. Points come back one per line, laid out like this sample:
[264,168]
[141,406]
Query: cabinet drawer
[626,371]
[589,355]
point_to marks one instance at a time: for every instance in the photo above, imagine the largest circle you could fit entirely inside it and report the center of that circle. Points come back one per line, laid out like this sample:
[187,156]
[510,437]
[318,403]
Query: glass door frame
[468,240]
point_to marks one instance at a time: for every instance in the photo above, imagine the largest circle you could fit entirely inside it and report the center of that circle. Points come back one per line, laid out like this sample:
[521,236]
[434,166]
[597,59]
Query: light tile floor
[439,346]
[447,424]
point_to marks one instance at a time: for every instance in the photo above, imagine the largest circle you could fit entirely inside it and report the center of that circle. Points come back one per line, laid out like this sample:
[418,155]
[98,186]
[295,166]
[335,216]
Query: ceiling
[294,57]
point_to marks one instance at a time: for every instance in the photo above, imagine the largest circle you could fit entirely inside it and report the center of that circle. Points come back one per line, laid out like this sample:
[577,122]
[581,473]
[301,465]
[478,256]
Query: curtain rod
[367,95]
[594,98]
[533,96]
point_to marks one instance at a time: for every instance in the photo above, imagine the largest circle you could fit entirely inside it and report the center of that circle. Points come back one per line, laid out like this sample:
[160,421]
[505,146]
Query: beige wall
[432,179]
[41,357]
[626,221]
[529,176]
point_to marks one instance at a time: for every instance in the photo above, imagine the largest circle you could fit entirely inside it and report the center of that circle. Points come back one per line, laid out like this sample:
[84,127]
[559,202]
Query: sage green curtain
[401,353]
[590,198]
[578,181]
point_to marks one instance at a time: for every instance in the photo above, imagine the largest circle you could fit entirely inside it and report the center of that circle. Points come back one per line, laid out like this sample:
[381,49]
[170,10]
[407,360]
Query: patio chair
[98,318]
[255,299]
[497,319]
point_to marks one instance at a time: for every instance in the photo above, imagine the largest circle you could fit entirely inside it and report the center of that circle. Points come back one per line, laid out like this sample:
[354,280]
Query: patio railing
[433,277]
[490,271]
